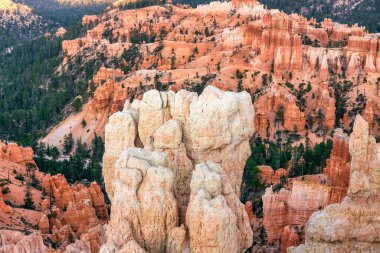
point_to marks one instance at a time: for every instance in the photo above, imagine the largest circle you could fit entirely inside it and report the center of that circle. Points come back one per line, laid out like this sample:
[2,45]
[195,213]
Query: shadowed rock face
[352,226]
[161,200]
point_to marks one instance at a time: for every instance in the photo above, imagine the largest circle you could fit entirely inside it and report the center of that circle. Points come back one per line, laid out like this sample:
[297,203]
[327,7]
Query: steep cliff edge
[187,178]
[351,226]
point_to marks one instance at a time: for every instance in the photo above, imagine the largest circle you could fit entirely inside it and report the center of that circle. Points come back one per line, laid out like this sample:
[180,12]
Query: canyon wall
[186,180]
[286,212]
[351,226]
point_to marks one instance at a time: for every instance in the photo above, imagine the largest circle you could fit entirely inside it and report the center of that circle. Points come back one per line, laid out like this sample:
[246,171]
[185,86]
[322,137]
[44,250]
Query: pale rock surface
[216,219]
[220,126]
[177,241]
[168,136]
[215,126]
[157,185]
[120,133]
[154,111]
[182,167]
[132,247]
[78,247]
[143,206]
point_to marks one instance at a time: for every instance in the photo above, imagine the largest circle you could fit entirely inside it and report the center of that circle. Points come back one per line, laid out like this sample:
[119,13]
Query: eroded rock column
[161,200]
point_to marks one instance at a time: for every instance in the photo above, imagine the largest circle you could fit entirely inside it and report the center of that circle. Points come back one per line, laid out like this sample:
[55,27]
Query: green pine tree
[28,200]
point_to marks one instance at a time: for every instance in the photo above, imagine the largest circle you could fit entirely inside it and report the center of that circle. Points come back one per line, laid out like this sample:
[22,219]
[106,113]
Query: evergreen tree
[68,143]
[28,200]
[97,148]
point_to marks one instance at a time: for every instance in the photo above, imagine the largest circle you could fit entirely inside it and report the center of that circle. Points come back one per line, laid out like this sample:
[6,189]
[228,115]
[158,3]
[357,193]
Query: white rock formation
[216,219]
[120,133]
[158,203]
[216,126]
[143,206]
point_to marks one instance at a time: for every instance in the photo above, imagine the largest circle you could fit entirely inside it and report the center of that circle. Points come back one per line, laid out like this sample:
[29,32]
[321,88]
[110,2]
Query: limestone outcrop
[351,226]
[143,205]
[186,181]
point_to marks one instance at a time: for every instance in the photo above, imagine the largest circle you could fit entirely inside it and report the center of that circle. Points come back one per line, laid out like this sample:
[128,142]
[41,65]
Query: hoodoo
[186,180]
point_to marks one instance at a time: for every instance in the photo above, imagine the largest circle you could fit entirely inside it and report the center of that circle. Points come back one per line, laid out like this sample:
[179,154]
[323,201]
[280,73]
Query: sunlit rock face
[351,226]
[178,191]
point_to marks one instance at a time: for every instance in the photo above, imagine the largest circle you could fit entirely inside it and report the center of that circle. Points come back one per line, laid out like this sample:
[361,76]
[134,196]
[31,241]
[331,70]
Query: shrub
[5,190]
[20,177]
